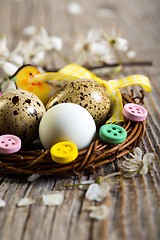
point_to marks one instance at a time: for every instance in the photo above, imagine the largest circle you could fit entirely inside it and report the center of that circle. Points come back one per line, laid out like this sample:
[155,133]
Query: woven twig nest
[39,161]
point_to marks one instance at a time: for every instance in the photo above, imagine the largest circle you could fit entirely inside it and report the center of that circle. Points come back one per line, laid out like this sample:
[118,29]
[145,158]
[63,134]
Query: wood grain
[135,205]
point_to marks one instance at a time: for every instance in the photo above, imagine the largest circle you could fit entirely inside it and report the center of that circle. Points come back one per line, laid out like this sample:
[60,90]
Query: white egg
[67,122]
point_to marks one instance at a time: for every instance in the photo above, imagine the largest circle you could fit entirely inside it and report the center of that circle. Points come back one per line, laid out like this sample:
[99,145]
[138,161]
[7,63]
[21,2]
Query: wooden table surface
[135,206]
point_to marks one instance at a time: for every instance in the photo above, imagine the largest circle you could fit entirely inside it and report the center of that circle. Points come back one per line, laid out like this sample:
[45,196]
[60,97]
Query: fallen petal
[25,202]
[33,177]
[2,203]
[98,212]
[97,192]
[53,199]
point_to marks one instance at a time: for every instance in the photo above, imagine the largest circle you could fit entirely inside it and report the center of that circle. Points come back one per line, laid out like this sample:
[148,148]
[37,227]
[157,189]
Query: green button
[112,133]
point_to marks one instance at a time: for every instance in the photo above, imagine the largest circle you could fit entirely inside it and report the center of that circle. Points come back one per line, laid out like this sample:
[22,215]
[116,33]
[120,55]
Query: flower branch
[95,50]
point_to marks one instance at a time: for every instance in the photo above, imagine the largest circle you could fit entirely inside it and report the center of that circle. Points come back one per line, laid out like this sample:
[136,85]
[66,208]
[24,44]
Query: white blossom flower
[85,46]
[97,46]
[118,45]
[137,164]
[46,42]
[101,46]
[31,50]
[111,35]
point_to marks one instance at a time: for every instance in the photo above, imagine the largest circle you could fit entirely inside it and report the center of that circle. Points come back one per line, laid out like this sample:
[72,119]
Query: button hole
[132,111]
[9,139]
[6,145]
[139,112]
[120,131]
[109,131]
[13,143]
[137,109]
[114,128]
[115,134]
[2,141]
[130,107]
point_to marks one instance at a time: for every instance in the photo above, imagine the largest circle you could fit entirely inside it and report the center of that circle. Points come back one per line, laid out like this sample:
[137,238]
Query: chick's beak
[14,79]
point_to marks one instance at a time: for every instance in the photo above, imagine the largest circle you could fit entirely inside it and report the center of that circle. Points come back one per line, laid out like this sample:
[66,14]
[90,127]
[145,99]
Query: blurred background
[137,21]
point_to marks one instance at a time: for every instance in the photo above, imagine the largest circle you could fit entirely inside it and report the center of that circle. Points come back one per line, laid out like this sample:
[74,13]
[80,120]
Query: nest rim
[89,159]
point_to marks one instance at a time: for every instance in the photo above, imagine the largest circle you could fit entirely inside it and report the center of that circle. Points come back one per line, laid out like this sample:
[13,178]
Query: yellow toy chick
[45,85]
[22,77]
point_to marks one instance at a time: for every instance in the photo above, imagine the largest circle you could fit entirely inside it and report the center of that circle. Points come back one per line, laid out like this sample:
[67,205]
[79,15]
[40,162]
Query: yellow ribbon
[73,72]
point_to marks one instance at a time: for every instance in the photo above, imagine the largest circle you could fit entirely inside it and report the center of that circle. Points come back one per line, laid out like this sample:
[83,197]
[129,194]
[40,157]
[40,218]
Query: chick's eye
[30,74]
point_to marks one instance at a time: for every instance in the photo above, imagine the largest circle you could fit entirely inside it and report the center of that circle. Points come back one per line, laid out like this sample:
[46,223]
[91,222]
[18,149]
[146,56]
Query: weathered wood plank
[134,206]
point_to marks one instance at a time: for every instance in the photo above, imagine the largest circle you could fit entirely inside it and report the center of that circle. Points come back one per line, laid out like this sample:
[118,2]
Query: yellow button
[64,152]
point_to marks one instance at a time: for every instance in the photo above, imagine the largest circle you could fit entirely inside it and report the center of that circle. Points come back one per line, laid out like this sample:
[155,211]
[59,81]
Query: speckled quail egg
[86,93]
[20,114]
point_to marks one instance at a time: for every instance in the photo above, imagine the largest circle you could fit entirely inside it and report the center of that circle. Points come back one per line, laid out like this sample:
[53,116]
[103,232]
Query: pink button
[134,112]
[9,144]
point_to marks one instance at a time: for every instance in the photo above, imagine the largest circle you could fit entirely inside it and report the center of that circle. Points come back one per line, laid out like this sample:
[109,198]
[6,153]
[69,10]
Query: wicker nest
[97,154]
